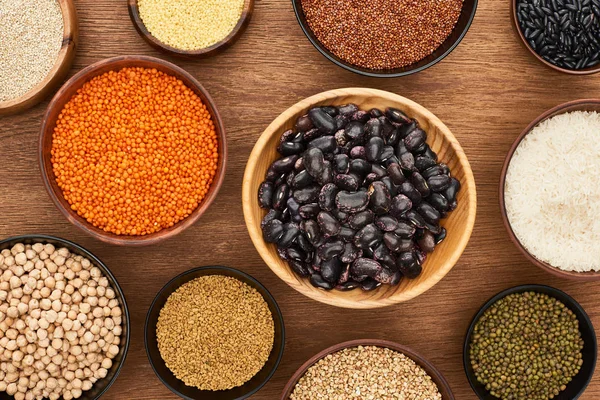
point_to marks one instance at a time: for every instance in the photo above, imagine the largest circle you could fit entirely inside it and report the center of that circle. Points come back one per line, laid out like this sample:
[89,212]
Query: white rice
[552,191]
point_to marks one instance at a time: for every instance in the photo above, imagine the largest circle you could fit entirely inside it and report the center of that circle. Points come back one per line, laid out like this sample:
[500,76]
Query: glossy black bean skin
[290,148]
[312,231]
[302,179]
[341,164]
[350,253]
[351,202]
[314,162]
[294,253]
[438,202]
[326,144]
[400,204]
[328,225]
[317,281]
[374,149]
[360,116]
[452,190]
[407,264]
[421,149]
[360,167]
[397,244]
[369,285]
[326,175]
[439,238]
[303,243]
[420,184]
[294,209]
[368,237]
[280,197]
[378,170]
[395,172]
[361,219]
[331,110]
[388,277]
[373,128]
[327,197]
[437,169]
[415,139]
[388,156]
[331,269]
[429,213]
[311,135]
[397,116]
[405,230]
[299,268]
[330,249]
[265,194]
[347,109]
[272,231]
[358,152]
[427,242]
[369,179]
[322,121]
[340,122]
[387,181]
[405,129]
[349,182]
[309,211]
[354,130]
[347,233]
[416,219]
[381,252]
[375,112]
[290,232]
[306,195]
[386,223]
[271,215]
[341,216]
[430,153]
[423,163]
[288,136]
[380,199]
[407,161]
[409,190]
[439,183]
[365,267]
[304,123]
[284,165]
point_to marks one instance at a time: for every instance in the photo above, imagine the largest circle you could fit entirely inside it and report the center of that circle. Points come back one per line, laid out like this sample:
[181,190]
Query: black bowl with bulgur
[155,341]
[417,42]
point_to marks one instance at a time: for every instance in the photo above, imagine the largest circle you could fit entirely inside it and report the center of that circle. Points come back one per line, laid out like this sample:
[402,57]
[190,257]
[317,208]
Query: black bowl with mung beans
[369,38]
[214,333]
[538,331]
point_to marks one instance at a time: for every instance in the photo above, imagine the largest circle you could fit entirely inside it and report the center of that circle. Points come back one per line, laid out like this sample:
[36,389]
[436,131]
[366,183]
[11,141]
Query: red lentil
[382,34]
[134,151]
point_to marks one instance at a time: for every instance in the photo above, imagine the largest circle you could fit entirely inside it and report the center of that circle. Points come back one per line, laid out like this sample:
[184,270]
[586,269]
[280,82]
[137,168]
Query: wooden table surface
[486,91]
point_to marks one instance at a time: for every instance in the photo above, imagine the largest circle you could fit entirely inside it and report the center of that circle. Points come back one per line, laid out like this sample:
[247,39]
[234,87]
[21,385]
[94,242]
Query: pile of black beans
[357,197]
[563,32]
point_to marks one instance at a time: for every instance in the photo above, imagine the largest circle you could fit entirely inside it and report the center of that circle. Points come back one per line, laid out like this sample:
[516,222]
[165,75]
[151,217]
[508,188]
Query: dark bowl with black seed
[357,241]
[562,34]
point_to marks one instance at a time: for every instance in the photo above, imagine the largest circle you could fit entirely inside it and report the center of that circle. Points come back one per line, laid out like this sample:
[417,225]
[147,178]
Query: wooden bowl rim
[218,269]
[85,75]
[134,14]
[80,250]
[331,297]
[59,70]
[559,109]
[517,28]
[570,303]
[375,73]
[429,368]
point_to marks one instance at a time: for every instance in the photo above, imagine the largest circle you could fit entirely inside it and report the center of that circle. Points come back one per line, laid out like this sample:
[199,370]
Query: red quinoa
[382,34]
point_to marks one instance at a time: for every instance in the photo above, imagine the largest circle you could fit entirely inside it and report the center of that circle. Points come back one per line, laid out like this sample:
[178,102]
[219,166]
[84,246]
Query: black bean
[331,269]
[439,202]
[347,234]
[350,253]
[288,136]
[387,181]
[331,110]
[328,225]
[284,165]
[280,197]
[424,162]
[439,183]
[327,196]
[272,231]
[271,215]
[309,211]
[294,209]
[309,194]
[304,123]
[386,223]
[370,178]
[358,152]
[388,156]
[352,202]
[435,170]
[322,121]
[416,219]
[341,164]
[388,127]
[311,135]
[427,242]
[317,281]
[395,172]
[311,228]
[369,284]
[265,194]
[314,162]
[302,179]
[326,175]
[380,199]
[397,116]
[397,244]
[405,230]
[428,212]
[368,237]
[374,149]
[409,190]
[349,182]
[388,277]
[400,204]
[375,112]
[347,109]
[290,232]
[354,130]
[348,286]
[360,167]
[330,249]
[299,267]
[360,116]
[452,191]
[361,219]
[290,148]
[420,184]
[373,128]
[415,139]
[365,267]
[340,215]
[326,144]
[407,264]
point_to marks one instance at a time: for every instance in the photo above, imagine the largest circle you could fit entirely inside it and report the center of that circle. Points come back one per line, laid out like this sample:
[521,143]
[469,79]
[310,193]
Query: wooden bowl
[517,28]
[58,72]
[435,375]
[64,95]
[577,105]
[102,385]
[459,223]
[590,347]
[134,13]
[190,393]
[460,30]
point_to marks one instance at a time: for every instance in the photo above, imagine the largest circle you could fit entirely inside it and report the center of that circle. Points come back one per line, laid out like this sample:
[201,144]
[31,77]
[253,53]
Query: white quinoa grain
[31,33]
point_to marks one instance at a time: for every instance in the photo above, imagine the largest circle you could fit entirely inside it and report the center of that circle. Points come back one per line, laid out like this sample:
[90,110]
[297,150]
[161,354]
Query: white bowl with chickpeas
[64,322]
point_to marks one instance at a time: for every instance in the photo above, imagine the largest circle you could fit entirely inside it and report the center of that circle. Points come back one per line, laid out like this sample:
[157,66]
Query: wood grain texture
[459,223]
[64,95]
[59,71]
[487,91]
[238,29]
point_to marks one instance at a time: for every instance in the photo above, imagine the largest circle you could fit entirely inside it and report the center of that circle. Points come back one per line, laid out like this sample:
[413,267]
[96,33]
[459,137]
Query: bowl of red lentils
[385,38]
[132,150]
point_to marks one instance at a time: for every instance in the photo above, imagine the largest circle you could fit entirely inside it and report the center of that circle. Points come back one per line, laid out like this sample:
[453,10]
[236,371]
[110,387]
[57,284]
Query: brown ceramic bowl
[435,375]
[134,13]
[65,94]
[517,28]
[459,223]
[61,67]
[577,105]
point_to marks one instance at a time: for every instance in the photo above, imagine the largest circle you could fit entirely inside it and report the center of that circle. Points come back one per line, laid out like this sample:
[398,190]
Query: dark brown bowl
[65,94]
[517,28]
[134,13]
[435,375]
[577,105]
[59,71]
[102,385]
[456,36]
